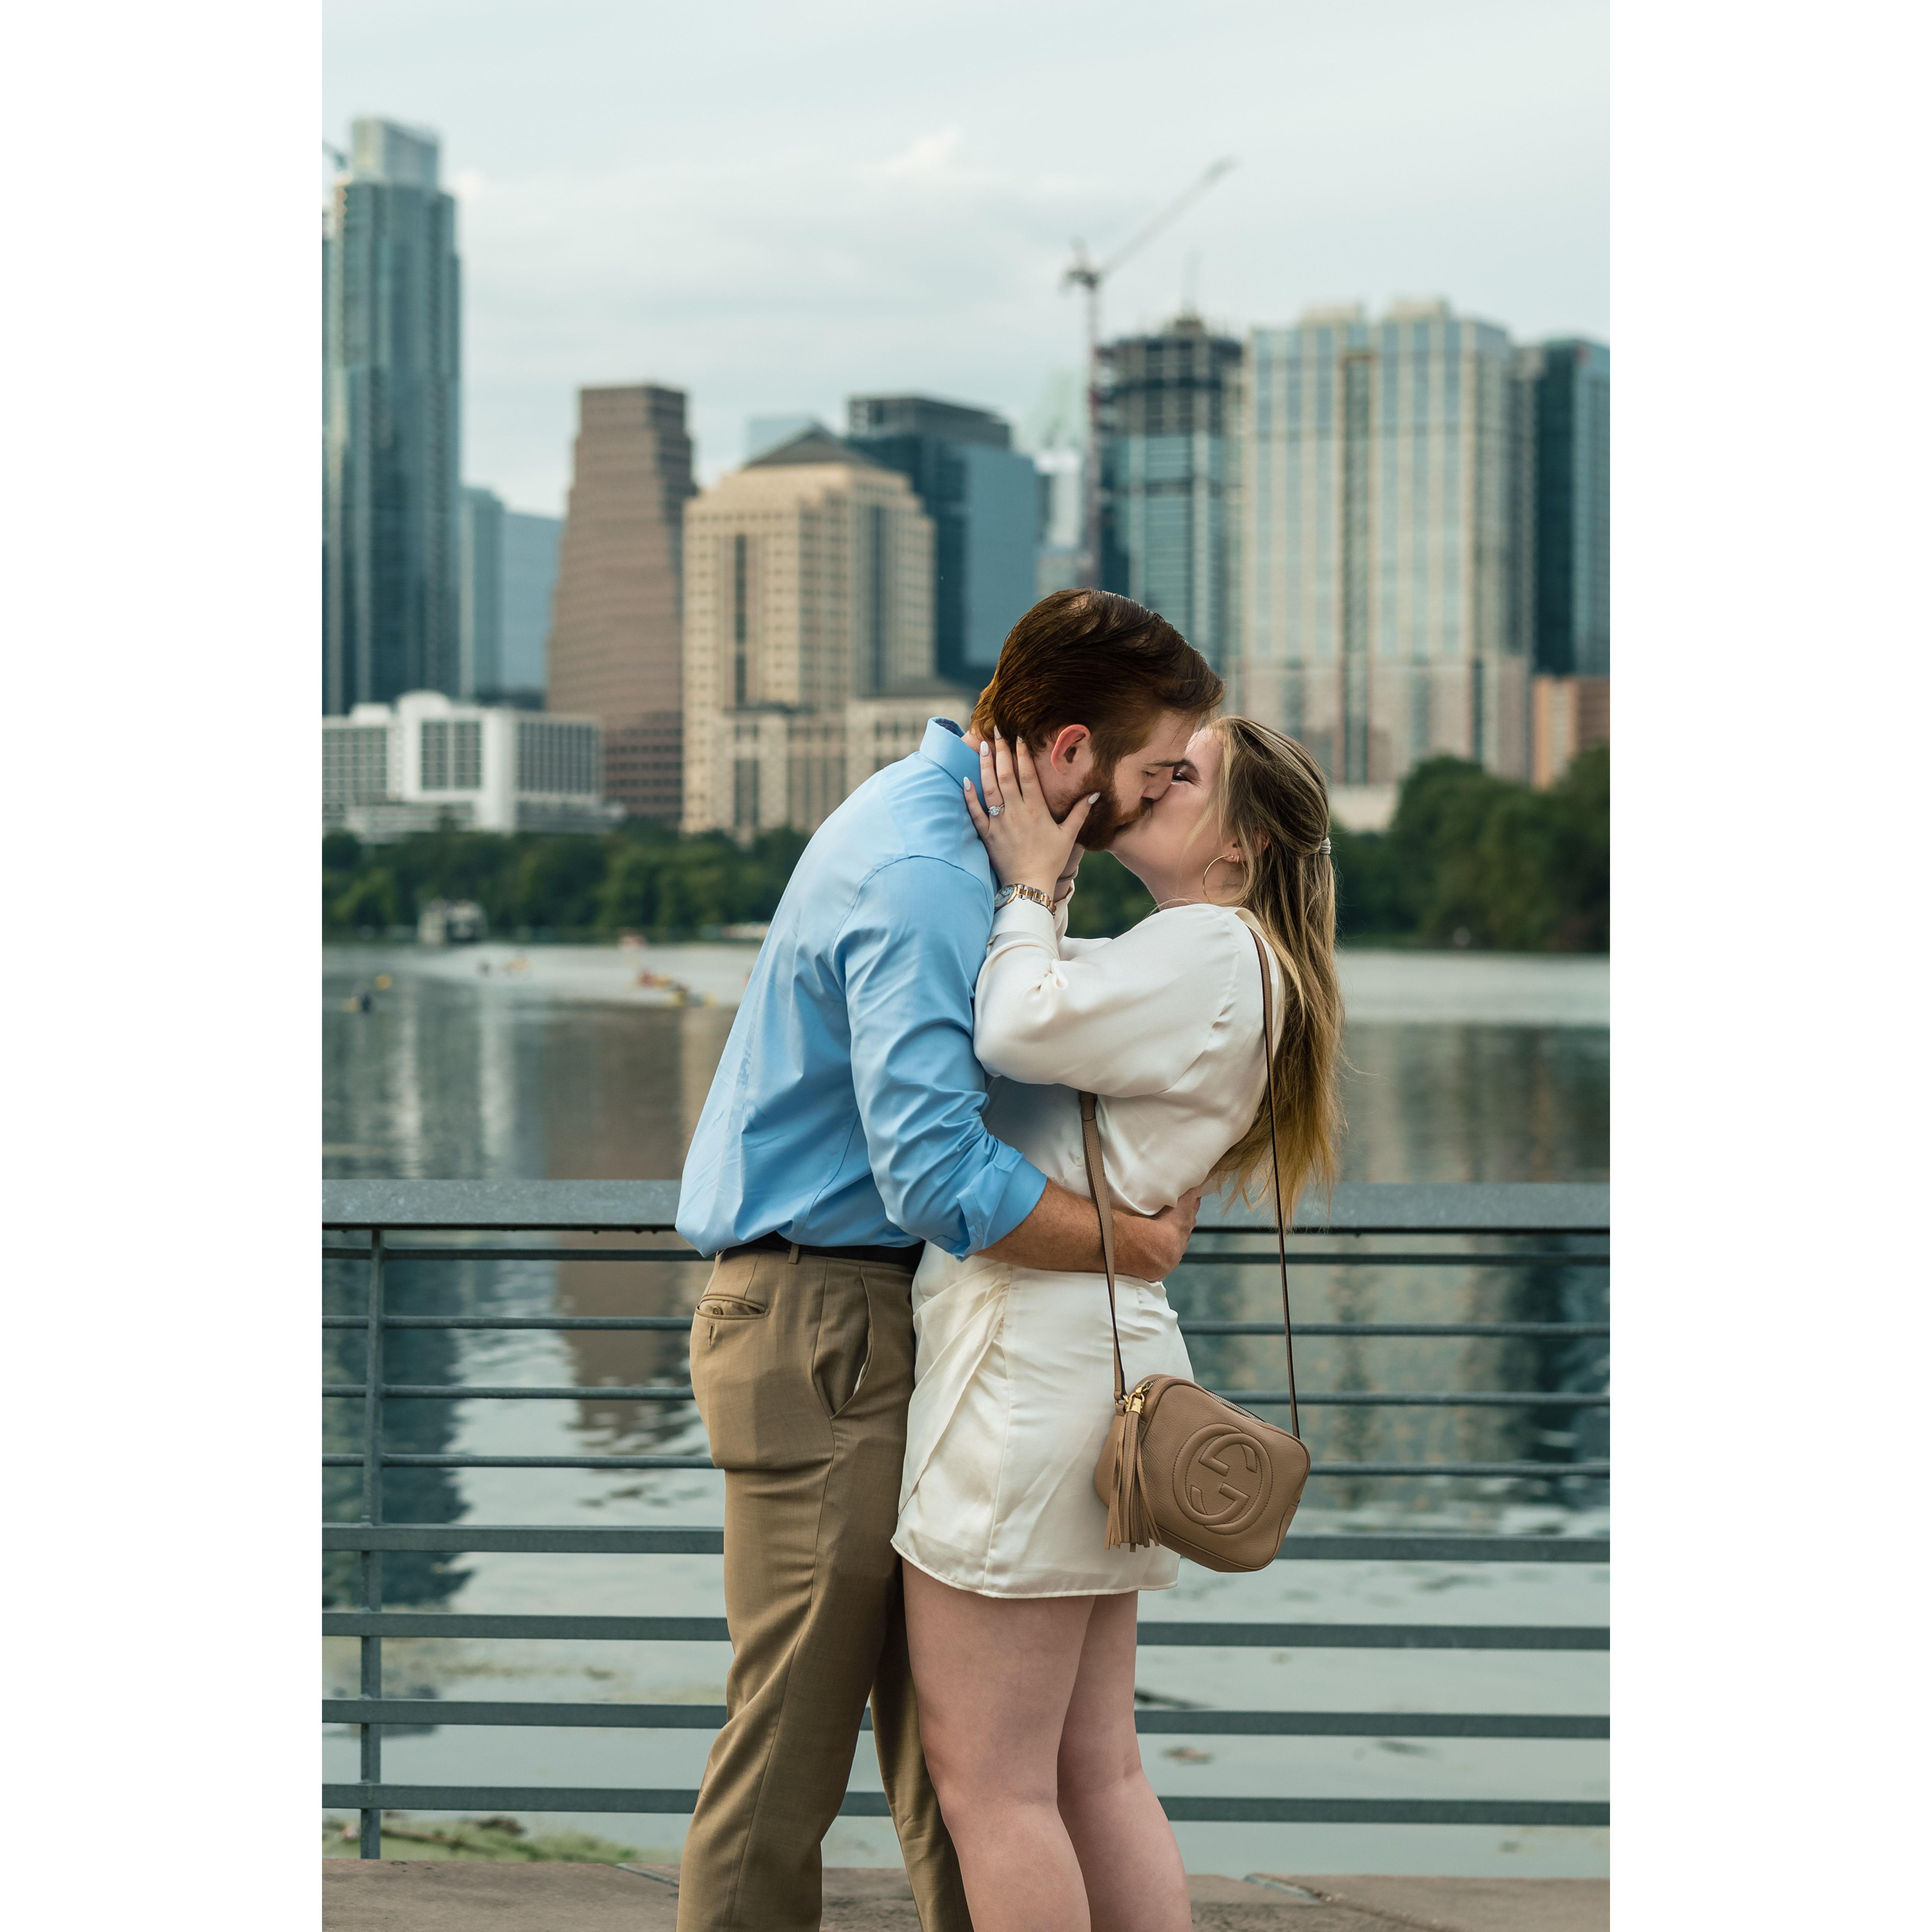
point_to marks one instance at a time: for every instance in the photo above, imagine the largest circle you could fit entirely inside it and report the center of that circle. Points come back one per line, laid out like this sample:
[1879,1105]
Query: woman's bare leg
[1125,1847]
[994,1676]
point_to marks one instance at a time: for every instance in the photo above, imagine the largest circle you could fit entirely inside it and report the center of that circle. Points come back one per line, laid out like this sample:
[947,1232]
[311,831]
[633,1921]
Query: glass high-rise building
[480,656]
[1383,620]
[509,576]
[1171,480]
[1570,382]
[530,547]
[391,369]
[983,497]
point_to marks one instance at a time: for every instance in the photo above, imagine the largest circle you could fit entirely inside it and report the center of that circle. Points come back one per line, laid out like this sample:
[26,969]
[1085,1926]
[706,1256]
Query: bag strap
[1097,1181]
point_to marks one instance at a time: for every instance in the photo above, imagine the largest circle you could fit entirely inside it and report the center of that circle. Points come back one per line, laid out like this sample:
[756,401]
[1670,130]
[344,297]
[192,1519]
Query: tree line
[1469,859]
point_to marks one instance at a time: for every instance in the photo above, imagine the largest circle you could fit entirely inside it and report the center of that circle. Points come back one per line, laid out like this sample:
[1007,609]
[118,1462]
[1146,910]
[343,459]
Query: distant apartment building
[391,412]
[1567,382]
[1567,716]
[1383,615]
[391,770]
[1171,480]
[1054,431]
[616,643]
[808,635]
[983,497]
[508,573]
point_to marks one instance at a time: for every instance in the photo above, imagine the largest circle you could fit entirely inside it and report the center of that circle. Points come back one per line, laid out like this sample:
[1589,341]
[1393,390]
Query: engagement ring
[993,811]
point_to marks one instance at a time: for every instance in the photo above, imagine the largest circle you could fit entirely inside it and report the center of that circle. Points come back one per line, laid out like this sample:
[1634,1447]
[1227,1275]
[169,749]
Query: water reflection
[449,1079]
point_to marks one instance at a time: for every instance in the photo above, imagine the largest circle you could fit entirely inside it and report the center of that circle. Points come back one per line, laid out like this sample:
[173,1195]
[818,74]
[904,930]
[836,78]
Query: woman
[1021,1620]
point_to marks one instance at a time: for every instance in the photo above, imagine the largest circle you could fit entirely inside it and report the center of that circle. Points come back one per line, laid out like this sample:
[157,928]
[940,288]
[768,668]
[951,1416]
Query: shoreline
[1380,986]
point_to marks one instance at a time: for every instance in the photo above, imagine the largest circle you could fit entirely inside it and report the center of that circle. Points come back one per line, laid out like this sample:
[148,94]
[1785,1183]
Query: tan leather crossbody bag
[1181,1467]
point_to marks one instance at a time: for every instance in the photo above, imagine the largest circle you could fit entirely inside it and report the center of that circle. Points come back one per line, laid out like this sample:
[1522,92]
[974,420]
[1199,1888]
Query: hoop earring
[1218,860]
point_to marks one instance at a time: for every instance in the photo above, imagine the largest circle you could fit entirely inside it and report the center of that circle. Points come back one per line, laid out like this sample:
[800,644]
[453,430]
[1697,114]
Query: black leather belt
[879,1257]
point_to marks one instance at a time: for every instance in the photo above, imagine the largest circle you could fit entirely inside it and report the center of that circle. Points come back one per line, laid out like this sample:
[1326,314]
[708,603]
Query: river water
[593,1062]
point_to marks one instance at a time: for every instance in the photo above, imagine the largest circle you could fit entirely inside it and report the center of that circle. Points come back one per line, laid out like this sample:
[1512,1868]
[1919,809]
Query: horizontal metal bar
[1371,1331]
[681,1324]
[1230,1635]
[343,1460]
[667,1324]
[650,1207]
[681,1392]
[1318,1546]
[1325,1258]
[1378,1257]
[496,1797]
[402,1251]
[434,1711]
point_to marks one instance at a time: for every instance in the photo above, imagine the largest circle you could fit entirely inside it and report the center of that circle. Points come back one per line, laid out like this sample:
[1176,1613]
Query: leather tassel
[1128,1520]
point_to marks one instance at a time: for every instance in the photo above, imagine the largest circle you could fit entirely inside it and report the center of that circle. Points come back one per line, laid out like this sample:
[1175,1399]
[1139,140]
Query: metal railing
[1556,1215]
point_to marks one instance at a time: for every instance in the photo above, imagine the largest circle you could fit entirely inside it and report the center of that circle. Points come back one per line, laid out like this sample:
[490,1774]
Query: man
[842,1130]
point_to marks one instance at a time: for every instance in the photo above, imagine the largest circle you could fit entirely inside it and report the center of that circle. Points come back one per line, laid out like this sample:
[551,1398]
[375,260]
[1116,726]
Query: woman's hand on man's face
[1026,846]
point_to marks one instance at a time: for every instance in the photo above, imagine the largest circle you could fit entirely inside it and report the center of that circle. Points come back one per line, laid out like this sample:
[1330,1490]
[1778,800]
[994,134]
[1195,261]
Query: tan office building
[808,636]
[1567,716]
[616,651]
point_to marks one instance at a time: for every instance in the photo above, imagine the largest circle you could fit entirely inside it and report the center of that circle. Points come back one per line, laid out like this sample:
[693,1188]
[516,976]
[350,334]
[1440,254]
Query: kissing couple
[903,1357]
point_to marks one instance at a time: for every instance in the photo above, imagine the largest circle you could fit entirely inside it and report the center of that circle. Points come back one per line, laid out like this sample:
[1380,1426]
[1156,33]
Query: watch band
[1005,896]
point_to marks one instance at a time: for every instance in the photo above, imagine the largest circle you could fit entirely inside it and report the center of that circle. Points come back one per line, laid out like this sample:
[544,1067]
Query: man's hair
[1091,657]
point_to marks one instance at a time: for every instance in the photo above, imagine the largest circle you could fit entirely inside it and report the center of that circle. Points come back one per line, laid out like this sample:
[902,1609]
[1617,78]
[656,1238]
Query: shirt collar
[945,744]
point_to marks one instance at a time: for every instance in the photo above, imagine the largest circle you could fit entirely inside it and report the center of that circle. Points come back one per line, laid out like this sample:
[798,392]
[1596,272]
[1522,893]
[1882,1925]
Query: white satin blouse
[1013,1390]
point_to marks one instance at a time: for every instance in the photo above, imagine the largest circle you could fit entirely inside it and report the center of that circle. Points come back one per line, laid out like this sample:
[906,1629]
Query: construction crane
[1085,273]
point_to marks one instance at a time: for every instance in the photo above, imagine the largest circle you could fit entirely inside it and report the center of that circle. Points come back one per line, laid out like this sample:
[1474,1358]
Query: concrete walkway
[458,1895]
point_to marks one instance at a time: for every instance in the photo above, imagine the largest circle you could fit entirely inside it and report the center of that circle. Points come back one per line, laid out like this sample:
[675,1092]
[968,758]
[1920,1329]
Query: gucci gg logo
[1222,1478]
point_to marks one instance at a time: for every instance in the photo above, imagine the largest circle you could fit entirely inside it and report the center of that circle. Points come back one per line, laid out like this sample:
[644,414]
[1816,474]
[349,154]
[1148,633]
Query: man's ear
[1065,750]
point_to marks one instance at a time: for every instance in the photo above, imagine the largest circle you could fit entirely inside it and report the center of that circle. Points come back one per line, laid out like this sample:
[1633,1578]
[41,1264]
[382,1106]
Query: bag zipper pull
[1135,1399]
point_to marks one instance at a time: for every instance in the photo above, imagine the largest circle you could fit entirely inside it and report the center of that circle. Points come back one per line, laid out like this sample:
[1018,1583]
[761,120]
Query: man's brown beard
[1104,822]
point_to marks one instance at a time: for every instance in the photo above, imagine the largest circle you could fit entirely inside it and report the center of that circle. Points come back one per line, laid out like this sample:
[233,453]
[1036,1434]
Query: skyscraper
[1570,383]
[481,657]
[1380,619]
[391,366]
[808,635]
[509,572]
[1171,480]
[984,498]
[616,641]
[530,545]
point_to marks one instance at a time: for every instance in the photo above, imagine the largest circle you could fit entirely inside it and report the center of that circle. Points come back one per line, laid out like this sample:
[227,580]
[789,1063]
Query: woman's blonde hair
[1273,805]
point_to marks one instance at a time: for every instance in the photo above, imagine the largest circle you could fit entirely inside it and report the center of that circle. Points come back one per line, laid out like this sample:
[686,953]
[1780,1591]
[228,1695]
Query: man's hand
[1151,1245]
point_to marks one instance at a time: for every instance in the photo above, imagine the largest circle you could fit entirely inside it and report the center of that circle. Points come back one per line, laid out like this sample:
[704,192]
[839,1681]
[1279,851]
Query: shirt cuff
[1027,918]
[1007,1191]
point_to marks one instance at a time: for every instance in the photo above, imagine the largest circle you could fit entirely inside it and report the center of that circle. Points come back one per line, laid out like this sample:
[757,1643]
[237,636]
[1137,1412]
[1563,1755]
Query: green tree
[1107,900]
[558,882]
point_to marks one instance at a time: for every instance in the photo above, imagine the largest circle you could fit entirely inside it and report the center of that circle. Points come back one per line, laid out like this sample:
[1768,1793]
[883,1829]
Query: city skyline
[797,221]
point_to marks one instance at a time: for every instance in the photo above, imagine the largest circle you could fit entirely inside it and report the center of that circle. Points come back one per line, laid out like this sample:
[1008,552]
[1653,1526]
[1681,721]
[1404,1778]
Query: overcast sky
[773,207]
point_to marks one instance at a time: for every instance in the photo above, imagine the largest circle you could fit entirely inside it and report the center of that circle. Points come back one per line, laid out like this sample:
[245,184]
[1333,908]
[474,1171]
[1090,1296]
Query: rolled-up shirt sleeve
[908,961]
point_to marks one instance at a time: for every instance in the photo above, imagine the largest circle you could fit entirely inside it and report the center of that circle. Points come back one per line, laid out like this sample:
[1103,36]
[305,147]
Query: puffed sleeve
[1129,1016]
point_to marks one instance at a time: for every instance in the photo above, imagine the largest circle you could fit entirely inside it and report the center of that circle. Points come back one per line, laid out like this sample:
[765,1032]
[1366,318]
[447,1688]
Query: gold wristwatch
[1005,896]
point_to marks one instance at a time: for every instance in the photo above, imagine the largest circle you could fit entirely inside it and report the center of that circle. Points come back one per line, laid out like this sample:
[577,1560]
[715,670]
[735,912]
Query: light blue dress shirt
[846,1112]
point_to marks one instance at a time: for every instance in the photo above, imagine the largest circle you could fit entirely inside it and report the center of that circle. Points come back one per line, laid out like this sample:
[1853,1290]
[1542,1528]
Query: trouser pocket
[753,1344]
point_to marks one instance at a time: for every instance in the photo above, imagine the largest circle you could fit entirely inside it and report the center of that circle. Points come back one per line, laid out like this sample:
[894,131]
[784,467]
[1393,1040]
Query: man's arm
[908,952]
[1063,1234]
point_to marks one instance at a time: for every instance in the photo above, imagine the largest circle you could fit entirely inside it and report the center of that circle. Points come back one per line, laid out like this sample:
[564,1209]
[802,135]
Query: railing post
[371,1844]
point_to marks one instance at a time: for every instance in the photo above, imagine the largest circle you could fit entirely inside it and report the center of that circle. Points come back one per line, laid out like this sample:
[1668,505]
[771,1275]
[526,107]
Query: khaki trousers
[802,1369]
